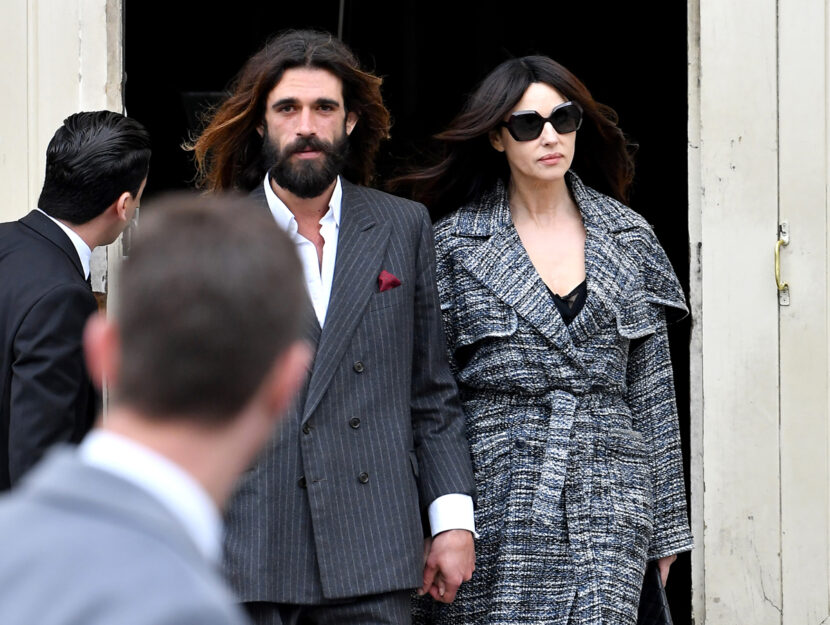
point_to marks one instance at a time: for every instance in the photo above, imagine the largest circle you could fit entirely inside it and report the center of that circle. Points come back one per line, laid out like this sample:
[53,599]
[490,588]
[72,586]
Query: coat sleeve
[651,398]
[49,384]
[441,444]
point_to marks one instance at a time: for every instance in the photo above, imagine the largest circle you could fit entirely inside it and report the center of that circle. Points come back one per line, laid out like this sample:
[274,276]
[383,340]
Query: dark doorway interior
[431,53]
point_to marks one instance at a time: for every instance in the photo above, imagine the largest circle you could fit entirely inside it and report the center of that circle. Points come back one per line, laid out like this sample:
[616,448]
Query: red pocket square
[387,281]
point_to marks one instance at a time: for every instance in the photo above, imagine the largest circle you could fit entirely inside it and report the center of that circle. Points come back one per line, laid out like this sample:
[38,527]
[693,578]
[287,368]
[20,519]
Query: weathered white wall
[57,57]
[758,145]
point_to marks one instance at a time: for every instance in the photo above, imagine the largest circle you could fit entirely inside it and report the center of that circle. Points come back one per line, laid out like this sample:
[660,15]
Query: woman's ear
[495,140]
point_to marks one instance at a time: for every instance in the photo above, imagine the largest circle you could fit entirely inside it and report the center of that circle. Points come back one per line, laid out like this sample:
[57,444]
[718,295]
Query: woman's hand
[663,564]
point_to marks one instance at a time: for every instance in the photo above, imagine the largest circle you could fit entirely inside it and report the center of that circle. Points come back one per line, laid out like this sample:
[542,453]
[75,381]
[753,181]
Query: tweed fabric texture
[573,428]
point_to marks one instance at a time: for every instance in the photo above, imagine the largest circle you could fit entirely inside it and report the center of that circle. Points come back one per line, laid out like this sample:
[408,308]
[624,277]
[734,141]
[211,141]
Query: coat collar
[501,263]
[50,231]
[63,478]
[489,214]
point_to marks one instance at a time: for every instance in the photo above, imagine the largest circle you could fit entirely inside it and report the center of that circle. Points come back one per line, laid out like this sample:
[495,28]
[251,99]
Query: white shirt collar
[285,218]
[174,488]
[84,252]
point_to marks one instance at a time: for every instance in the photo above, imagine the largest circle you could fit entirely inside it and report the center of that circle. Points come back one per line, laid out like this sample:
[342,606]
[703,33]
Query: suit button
[363,477]
[354,422]
[358,366]
[301,482]
[520,444]
[306,429]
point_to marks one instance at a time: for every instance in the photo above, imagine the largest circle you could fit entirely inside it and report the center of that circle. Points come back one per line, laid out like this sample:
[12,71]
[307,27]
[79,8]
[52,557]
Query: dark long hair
[469,165]
[228,153]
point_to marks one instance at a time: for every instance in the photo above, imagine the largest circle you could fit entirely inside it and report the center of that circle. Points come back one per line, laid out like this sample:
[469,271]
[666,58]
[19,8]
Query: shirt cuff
[452,512]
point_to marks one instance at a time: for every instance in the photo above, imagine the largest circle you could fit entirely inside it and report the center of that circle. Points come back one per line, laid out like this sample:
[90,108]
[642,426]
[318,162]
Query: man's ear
[351,122]
[495,140]
[261,128]
[121,205]
[102,350]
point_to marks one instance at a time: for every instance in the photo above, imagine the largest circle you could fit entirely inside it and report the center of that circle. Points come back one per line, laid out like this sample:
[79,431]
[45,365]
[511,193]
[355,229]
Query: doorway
[431,53]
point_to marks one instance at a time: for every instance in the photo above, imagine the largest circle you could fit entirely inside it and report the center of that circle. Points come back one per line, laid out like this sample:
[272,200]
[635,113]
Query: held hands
[449,561]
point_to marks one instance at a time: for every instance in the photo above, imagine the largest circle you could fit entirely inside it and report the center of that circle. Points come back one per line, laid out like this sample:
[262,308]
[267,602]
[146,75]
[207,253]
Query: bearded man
[329,525]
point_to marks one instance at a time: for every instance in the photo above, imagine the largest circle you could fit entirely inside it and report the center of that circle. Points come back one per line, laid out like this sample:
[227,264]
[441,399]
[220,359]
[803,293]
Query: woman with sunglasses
[555,298]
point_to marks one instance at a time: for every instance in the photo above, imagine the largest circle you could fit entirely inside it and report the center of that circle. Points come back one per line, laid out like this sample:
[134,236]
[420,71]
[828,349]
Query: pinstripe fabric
[573,428]
[333,507]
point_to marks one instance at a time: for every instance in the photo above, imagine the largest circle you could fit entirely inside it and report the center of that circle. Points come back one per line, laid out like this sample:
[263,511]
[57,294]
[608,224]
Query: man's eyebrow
[295,102]
[283,102]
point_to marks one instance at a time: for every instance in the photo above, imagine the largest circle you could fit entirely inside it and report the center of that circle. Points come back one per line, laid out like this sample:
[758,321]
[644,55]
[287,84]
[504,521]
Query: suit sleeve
[49,385]
[438,423]
[651,398]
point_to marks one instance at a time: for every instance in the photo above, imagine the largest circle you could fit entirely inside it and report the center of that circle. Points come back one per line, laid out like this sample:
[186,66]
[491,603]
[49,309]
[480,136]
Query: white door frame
[758,150]
[58,57]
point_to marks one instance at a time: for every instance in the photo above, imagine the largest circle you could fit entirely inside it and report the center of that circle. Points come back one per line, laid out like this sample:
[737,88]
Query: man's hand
[450,562]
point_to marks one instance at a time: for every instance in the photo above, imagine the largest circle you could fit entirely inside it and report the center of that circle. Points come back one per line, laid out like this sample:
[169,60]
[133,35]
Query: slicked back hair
[228,153]
[91,160]
[210,296]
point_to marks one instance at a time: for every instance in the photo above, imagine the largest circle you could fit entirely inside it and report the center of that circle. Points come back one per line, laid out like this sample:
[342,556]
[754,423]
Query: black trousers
[392,608]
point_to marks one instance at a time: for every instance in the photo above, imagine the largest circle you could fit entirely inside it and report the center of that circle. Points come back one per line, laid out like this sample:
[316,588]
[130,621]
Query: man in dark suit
[96,168]
[329,526]
[203,356]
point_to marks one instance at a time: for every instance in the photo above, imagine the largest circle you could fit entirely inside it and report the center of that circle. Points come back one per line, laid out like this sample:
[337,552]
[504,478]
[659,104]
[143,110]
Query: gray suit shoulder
[393,206]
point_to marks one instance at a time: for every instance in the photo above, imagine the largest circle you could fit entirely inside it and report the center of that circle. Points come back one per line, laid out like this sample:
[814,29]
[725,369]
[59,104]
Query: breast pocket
[387,299]
[481,321]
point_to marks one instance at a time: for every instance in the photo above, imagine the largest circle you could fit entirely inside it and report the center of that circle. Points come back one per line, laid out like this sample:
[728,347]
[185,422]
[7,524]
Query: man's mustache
[308,143]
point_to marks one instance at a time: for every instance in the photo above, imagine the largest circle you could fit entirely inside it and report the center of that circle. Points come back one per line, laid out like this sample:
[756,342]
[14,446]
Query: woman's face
[545,158]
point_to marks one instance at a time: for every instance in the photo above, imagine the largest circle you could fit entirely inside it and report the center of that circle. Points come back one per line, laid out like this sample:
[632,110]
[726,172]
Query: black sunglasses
[527,125]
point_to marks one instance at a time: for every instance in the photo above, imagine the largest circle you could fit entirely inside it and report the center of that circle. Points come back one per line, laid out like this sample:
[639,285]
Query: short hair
[91,160]
[228,152]
[211,294]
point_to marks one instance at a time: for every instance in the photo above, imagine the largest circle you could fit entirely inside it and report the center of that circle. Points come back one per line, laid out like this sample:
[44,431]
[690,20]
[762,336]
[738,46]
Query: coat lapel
[611,274]
[361,246]
[46,228]
[502,265]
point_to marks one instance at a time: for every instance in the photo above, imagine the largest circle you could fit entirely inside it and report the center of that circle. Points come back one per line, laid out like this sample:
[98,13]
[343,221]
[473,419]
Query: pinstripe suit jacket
[333,508]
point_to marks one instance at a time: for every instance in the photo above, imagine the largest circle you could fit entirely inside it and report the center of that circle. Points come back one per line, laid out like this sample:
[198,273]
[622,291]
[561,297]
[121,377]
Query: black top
[570,305]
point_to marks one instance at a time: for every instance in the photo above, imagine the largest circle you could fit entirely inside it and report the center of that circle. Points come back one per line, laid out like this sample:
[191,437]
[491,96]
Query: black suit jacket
[333,507]
[45,392]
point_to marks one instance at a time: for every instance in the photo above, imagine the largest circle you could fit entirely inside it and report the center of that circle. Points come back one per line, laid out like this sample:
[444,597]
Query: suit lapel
[46,228]
[361,245]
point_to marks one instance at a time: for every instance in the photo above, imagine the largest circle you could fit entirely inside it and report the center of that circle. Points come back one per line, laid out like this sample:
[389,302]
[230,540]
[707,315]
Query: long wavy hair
[228,153]
[468,165]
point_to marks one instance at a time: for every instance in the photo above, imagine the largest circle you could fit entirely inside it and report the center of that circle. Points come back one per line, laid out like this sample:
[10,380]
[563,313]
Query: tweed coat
[573,428]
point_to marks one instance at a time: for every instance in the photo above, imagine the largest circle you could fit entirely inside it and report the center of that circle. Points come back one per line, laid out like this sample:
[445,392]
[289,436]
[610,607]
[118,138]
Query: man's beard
[305,178]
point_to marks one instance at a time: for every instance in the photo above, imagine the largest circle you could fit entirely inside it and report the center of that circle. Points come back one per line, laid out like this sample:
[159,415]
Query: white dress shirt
[318,276]
[173,487]
[447,512]
[84,252]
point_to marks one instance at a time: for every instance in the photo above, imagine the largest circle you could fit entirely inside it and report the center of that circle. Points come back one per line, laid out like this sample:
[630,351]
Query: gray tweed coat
[573,428]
